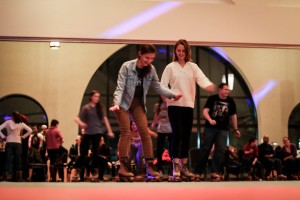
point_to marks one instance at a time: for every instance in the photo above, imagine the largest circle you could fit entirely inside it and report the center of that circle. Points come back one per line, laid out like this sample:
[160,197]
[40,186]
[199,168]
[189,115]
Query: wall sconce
[54,45]
[230,80]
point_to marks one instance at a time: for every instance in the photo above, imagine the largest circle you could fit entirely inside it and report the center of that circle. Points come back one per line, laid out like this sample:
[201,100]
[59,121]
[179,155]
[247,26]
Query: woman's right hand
[114,108]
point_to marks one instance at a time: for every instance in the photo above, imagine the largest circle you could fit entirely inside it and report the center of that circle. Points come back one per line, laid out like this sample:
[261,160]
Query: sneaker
[281,176]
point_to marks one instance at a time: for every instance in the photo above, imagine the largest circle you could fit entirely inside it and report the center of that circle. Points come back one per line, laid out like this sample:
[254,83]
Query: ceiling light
[54,45]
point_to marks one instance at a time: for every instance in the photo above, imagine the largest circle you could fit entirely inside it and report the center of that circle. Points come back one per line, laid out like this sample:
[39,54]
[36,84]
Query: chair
[233,165]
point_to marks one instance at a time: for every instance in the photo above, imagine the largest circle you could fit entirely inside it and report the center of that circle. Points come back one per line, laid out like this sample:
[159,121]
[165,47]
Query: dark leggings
[85,146]
[181,120]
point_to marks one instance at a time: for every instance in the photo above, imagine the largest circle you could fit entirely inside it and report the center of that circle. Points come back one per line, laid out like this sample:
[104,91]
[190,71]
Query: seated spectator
[73,166]
[103,158]
[272,165]
[250,160]
[34,155]
[61,160]
[136,155]
[290,160]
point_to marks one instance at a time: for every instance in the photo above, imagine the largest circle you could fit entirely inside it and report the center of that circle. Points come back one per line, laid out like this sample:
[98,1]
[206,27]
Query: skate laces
[185,170]
[176,170]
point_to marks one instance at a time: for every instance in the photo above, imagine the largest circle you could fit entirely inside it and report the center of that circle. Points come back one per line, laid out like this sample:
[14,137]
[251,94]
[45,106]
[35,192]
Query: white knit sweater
[184,79]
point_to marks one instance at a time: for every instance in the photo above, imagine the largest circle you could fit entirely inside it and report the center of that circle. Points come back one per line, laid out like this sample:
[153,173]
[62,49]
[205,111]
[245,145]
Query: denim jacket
[126,83]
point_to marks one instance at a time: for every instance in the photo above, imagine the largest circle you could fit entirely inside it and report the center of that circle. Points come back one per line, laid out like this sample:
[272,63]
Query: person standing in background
[164,130]
[181,76]
[219,110]
[13,147]
[93,118]
[53,141]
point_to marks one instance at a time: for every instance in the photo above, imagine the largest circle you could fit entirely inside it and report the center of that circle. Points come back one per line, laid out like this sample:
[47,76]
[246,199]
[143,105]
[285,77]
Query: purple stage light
[140,19]
[259,95]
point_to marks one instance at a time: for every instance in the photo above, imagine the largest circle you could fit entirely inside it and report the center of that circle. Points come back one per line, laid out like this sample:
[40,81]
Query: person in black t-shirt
[218,111]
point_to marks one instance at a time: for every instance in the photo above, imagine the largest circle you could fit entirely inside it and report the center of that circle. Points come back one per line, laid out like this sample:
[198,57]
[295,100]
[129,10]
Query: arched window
[24,104]
[214,66]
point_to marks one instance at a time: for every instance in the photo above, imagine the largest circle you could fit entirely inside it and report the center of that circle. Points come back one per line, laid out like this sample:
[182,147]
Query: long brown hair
[187,48]
[17,117]
[99,107]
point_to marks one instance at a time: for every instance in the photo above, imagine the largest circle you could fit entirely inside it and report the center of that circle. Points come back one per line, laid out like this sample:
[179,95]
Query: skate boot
[124,173]
[151,172]
[186,175]
[176,170]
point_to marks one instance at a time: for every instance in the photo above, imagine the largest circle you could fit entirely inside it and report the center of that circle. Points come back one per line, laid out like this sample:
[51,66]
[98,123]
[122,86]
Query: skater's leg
[218,155]
[209,140]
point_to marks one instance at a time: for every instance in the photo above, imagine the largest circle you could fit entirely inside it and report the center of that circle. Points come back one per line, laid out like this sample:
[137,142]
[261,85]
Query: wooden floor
[235,190]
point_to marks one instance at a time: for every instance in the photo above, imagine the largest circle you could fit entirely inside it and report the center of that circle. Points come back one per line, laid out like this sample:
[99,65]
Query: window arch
[24,104]
[214,66]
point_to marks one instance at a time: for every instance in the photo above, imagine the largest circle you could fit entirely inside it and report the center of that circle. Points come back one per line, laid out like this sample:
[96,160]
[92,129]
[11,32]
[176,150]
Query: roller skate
[176,171]
[214,177]
[124,174]
[197,177]
[186,175]
[152,175]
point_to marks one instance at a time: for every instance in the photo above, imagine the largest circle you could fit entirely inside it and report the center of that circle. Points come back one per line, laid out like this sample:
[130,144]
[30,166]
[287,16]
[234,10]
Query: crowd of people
[173,119]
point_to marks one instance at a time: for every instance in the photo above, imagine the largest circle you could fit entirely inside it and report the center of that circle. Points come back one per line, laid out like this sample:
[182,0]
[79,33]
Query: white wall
[221,22]
[57,79]
[259,66]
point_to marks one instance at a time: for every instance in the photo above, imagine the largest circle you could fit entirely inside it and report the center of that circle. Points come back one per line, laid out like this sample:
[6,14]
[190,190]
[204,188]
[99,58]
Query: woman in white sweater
[181,76]
[13,149]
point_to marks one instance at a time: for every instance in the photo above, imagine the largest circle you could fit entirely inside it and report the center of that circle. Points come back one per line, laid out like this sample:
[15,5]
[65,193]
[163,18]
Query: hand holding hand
[177,96]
